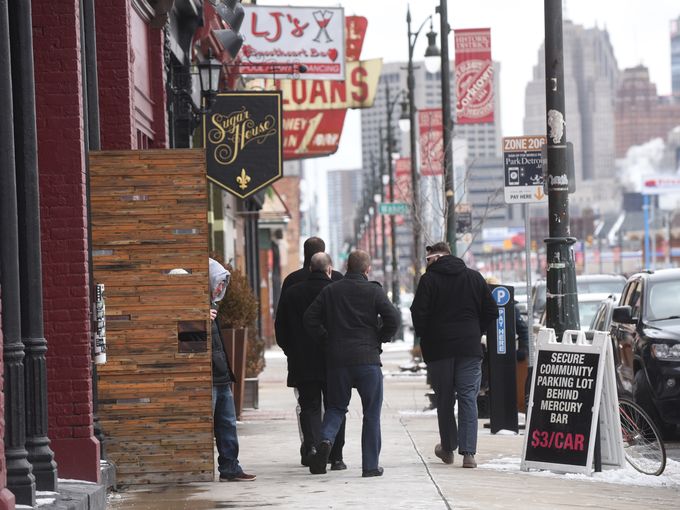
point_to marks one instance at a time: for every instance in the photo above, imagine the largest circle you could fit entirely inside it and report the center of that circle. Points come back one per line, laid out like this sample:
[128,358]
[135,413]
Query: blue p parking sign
[501,295]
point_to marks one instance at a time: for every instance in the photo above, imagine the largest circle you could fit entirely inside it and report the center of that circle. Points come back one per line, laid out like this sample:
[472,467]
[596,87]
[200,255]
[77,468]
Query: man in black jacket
[344,317]
[224,411]
[306,359]
[312,245]
[451,309]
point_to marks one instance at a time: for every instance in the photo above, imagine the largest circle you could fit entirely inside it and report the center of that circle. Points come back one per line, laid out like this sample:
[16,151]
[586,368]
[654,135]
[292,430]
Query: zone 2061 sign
[523,163]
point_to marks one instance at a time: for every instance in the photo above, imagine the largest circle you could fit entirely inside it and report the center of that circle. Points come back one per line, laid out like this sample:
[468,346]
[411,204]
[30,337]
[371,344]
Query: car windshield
[663,301]
[602,287]
[586,312]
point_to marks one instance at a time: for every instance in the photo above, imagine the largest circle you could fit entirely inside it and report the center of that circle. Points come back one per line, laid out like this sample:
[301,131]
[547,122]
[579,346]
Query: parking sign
[523,163]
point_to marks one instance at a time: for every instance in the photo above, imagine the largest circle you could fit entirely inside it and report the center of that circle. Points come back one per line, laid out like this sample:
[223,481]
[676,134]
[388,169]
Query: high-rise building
[641,114]
[344,192]
[675,55]
[590,84]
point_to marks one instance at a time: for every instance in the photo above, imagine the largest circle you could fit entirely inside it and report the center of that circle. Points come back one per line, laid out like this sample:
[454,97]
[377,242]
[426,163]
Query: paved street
[414,478]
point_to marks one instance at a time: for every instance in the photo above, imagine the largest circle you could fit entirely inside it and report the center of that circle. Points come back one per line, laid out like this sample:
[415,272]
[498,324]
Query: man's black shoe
[318,461]
[338,465]
[304,457]
[372,472]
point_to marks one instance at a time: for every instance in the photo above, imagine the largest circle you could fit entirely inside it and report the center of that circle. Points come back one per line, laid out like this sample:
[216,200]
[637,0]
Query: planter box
[251,393]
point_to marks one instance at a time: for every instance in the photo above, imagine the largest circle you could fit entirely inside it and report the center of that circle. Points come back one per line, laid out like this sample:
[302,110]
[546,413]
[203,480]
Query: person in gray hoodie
[224,410]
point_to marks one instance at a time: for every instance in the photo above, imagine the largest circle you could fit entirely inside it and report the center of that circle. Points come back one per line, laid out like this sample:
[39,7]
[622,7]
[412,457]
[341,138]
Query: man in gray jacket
[345,317]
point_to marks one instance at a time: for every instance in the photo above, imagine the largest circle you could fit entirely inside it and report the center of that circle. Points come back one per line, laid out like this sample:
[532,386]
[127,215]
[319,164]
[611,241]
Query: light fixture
[404,118]
[209,71]
[432,53]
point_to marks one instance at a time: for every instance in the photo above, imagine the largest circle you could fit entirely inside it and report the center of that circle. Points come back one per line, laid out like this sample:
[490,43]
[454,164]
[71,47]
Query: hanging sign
[474,76]
[572,388]
[431,132]
[281,35]
[243,141]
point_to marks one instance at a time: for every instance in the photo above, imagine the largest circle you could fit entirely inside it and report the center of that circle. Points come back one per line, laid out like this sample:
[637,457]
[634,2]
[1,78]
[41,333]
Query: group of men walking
[331,329]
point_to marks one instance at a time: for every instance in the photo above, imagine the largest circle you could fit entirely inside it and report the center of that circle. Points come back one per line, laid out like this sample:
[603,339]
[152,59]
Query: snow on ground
[625,476]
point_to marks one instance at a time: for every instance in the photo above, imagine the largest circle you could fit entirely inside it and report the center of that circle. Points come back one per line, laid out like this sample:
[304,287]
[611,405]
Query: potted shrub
[237,314]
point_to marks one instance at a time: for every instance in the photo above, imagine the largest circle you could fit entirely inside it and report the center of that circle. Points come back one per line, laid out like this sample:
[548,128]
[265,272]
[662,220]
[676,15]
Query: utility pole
[447,124]
[562,300]
[382,217]
[393,223]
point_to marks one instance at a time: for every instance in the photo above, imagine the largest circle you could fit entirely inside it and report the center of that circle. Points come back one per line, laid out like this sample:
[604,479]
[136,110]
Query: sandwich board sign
[572,390]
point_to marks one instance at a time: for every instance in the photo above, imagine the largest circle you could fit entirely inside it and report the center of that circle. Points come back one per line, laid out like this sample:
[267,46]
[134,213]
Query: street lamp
[430,52]
[209,72]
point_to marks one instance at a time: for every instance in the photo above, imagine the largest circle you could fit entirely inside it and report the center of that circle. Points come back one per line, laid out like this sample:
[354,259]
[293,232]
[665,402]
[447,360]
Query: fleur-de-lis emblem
[243,179]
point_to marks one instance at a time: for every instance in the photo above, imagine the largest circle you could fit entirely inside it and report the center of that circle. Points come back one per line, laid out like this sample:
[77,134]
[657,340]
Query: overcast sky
[639,31]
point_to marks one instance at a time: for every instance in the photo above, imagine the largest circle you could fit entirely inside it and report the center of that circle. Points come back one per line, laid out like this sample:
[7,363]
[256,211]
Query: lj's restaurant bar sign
[243,141]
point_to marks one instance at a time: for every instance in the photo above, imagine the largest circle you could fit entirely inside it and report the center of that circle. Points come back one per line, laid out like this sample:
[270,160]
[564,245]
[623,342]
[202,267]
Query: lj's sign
[243,141]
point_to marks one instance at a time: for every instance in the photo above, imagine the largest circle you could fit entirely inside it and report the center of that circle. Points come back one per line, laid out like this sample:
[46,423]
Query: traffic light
[232,13]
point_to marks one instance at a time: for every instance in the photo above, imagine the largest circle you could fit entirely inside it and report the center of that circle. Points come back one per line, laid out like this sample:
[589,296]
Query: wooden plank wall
[149,215]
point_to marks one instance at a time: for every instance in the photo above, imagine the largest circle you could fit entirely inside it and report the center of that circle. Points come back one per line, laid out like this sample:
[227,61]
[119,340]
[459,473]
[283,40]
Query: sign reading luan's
[243,141]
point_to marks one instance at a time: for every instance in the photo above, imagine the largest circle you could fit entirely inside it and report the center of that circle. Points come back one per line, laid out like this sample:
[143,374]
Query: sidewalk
[414,478]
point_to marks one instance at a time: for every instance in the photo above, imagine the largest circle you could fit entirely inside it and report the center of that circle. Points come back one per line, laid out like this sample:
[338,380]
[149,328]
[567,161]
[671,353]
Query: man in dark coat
[344,316]
[451,309]
[312,245]
[224,411]
[306,359]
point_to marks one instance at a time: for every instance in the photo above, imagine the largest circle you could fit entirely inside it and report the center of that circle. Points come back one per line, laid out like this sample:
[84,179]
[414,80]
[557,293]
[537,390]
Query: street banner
[523,163]
[431,132]
[357,91]
[315,133]
[277,36]
[474,76]
[463,218]
[243,141]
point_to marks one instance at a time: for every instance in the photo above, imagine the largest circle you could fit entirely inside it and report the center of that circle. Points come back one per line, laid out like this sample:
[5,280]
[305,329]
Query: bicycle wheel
[642,442]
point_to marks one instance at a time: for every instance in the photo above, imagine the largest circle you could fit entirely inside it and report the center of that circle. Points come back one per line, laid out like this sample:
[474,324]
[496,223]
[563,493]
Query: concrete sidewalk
[414,478]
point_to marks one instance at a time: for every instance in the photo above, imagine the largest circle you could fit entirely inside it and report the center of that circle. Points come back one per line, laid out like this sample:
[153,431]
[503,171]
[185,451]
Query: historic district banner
[243,141]
[431,141]
[276,36]
[474,76]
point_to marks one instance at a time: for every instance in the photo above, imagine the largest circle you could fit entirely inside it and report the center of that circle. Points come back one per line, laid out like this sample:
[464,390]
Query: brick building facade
[641,114]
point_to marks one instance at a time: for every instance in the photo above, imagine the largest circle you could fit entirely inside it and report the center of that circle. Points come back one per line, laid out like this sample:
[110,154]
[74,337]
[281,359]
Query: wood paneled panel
[149,215]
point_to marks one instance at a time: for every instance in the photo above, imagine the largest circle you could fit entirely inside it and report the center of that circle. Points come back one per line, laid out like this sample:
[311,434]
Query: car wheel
[643,396]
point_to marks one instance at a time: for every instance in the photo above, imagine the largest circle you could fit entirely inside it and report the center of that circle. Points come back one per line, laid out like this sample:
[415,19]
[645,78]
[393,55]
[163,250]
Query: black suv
[645,330]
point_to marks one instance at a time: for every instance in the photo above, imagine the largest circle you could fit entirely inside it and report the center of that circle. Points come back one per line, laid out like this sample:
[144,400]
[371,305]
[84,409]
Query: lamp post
[431,51]
[390,172]
[447,125]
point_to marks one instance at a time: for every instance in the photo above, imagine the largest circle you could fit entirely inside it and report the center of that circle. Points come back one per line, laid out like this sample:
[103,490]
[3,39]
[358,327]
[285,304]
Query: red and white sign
[474,76]
[431,141]
[661,184]
[315,133]
[284,35]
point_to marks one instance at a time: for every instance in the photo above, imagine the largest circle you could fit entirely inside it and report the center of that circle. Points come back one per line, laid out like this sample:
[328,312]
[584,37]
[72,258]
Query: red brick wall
[6,497]
[56,33]
[114,67]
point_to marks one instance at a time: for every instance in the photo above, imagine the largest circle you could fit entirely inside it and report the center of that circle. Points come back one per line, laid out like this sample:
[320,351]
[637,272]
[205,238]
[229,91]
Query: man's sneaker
[241,477]
[469,460]
[318,461]
[447,457]
[338,465]
[372,472]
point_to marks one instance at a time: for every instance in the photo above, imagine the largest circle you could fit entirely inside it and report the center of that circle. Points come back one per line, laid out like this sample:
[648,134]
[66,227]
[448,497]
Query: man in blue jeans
[451,309]
[222,397]
[344,316]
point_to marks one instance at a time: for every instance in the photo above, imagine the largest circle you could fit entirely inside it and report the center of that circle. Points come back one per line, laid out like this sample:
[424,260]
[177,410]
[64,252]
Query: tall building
[591,77]
[344,192]
[675,55]
[641,114]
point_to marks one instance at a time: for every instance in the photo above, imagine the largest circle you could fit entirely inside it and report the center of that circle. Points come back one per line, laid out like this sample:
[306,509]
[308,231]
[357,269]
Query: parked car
[520,295]
[585,284]
[588,306]
[645,331]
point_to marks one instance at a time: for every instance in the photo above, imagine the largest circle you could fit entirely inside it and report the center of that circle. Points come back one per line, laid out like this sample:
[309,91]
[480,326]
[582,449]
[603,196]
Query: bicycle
[642,444]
